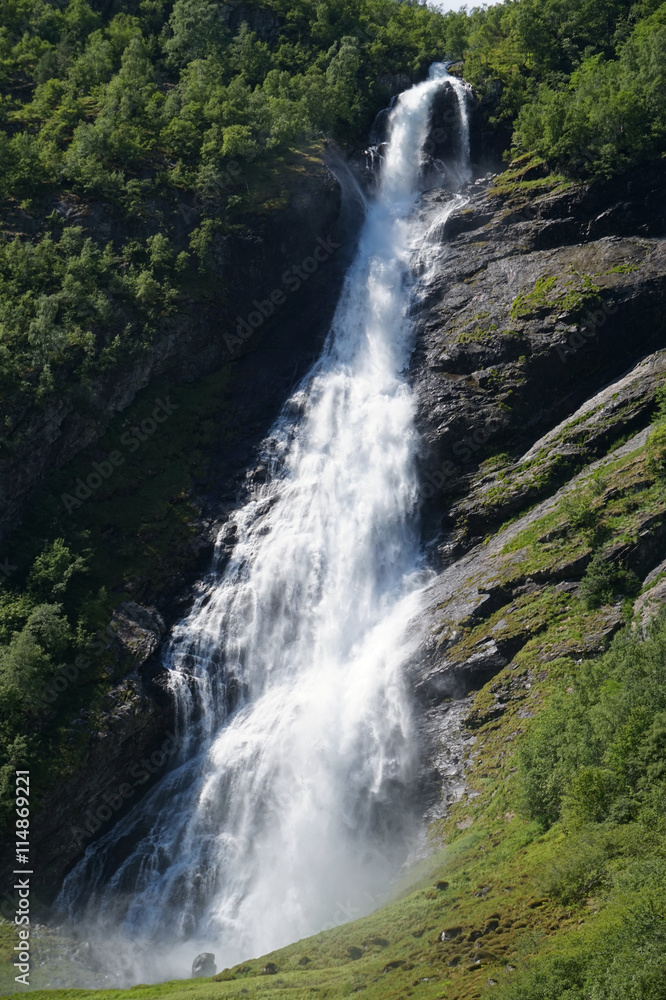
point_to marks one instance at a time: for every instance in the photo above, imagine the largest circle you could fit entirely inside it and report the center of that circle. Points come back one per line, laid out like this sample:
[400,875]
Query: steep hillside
[547,871]
[176,222]
[543,753]
[166,211]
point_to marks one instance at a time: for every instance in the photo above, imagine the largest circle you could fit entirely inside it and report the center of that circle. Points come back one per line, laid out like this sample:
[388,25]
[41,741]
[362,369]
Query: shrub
[581,867]
[590,795]
[599,751]
[53,569]
[603,582]
[656,452]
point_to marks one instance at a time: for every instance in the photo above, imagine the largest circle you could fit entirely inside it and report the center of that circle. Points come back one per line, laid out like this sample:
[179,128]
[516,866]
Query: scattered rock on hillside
[204,966]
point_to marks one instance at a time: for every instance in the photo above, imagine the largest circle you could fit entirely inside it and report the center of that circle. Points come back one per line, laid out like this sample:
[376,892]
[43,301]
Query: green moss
[478,335]
[574,297]
[527,174]
[632,496]
[622,269]
[577,301]
[531,302]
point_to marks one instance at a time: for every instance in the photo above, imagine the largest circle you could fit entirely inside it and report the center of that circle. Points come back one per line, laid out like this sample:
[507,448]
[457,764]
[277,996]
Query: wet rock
[138,632]
[204,966]
[501,360]
[270,969]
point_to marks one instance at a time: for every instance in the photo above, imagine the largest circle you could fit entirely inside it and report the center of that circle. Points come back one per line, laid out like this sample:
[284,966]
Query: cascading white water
[289,809]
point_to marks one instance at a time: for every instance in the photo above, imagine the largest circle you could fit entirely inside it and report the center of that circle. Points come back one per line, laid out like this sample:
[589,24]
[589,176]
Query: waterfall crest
[290,806]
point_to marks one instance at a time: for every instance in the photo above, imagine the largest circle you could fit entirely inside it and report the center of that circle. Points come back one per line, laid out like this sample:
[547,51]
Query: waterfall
[290,807]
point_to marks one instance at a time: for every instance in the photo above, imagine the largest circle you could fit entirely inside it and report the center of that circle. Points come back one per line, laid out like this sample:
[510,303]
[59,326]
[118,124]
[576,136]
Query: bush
[53,569]
[603,582]
[590,795]
[599,751]
[581,509]
[581,868]
[558,740]
[656,452]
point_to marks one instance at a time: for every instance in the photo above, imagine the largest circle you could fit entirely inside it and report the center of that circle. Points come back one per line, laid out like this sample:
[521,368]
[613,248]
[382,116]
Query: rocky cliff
[537,363]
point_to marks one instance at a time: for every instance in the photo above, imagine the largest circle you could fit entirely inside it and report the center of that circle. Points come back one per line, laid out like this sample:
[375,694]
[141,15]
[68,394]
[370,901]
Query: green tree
[196,31]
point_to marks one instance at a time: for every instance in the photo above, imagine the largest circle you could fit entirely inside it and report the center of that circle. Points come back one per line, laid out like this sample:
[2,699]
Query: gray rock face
[513,337]
[539,336]
[138,633]
[203,965]
[652,602]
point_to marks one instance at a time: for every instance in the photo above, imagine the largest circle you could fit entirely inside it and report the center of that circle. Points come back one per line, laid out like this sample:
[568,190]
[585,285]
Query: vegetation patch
[576,297]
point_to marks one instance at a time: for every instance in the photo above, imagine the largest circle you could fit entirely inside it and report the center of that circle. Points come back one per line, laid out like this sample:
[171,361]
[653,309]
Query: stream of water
[291,804]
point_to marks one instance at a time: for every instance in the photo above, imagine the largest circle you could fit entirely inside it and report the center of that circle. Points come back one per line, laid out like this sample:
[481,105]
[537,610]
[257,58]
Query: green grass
[528,175]
[615,512]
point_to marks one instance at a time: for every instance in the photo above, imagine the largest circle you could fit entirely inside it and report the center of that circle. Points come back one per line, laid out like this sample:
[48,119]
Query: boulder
[204,966]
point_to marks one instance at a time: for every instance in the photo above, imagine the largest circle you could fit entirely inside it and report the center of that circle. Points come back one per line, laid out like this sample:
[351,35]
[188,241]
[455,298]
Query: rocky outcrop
[204,965]
[653,599]
[619,408]
[536,370]
[138,633]
[264,23]
[513,337]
